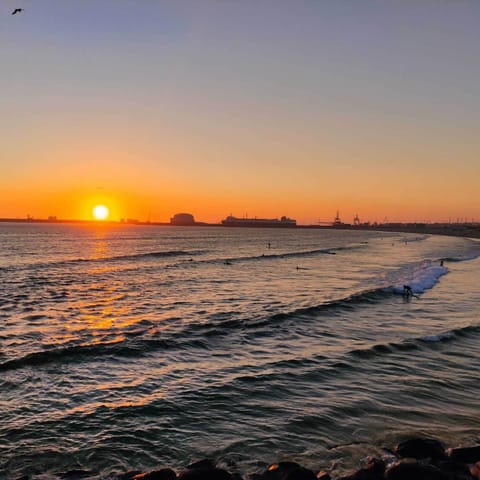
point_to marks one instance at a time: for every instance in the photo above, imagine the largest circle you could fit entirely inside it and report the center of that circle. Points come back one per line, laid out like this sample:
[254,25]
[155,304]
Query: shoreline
[412,459]
[467,230]
[449,229]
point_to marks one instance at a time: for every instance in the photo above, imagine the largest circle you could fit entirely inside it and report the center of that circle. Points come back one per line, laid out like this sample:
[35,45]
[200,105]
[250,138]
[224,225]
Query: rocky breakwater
[413,459]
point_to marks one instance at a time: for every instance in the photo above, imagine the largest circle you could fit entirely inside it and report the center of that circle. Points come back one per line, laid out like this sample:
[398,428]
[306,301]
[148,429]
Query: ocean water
[134,347]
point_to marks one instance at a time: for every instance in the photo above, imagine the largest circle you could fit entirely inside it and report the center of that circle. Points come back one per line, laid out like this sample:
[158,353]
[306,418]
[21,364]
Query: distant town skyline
[180,218]
[271,108]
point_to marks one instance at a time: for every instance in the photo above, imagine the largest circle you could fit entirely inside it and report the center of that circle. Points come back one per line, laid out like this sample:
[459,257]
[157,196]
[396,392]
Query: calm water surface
[133,347]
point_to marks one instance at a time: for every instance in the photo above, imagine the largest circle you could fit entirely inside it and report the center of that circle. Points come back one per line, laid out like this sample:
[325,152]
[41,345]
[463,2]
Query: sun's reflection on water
[100,311]
[100,245]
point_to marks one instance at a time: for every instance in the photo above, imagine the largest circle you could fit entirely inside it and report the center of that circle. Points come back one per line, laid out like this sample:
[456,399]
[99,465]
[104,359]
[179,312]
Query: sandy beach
[465,230]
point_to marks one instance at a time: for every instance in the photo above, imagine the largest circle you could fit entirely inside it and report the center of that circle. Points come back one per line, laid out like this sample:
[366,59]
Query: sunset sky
[246,107]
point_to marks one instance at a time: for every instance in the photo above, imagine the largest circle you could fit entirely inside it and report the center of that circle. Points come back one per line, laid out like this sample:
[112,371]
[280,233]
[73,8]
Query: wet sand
[451,229]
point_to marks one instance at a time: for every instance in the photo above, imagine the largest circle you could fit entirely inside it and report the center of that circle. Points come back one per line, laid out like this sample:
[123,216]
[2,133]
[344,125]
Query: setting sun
[100,212]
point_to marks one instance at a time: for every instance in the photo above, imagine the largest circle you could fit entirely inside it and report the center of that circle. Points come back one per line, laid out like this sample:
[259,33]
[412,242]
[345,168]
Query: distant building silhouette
[182,219]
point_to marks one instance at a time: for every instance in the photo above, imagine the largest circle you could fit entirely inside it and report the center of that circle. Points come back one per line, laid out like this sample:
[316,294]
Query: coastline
[414,458]
[468,230]
[449,229]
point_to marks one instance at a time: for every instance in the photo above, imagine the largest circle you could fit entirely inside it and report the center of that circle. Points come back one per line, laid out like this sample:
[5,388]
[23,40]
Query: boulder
[475,470]
[162,474]
[129,475]
[205,463]
[374,470]
[206,474]
[420,448]
[323,475]
[277,471]
[466,455]
[455,470]
[299,473]
[76,474]
[413,470]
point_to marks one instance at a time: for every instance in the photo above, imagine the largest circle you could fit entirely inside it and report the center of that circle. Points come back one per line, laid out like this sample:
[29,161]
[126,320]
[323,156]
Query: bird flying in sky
[17,10]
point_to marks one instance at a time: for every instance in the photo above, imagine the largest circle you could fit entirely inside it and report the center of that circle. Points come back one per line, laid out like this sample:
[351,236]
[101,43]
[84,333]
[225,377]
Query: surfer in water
[408,292]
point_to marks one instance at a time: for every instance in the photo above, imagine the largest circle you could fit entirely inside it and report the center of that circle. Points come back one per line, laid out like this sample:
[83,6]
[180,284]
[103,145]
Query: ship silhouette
[232,221]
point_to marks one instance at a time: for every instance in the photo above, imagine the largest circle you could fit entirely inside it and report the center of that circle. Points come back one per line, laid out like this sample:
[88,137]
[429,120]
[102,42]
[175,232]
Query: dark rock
[206,474]
[455,470]
[362,474]
[129,475]
[467,455]
[74,474]
[23,477]
[277,471]
[205,470]
[475,470]
[420,448]
[412,470]
[299,473]
[205,463]
[376,465]
[373,471]
[162,474]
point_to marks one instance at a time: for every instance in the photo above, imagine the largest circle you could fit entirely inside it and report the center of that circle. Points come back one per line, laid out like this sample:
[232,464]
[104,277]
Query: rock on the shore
[287,471]
[467,455]
[414,470]
[420,448]
[162,474]
[475,470]
[206,474]
[205,469]
[374,470]
[418,459]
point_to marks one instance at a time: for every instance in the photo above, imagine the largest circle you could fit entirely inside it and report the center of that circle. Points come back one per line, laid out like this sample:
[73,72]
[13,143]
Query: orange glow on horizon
[77,203]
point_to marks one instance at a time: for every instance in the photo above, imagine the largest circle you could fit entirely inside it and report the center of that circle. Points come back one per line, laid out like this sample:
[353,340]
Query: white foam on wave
[420,277]
[411,239]
[439,337]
